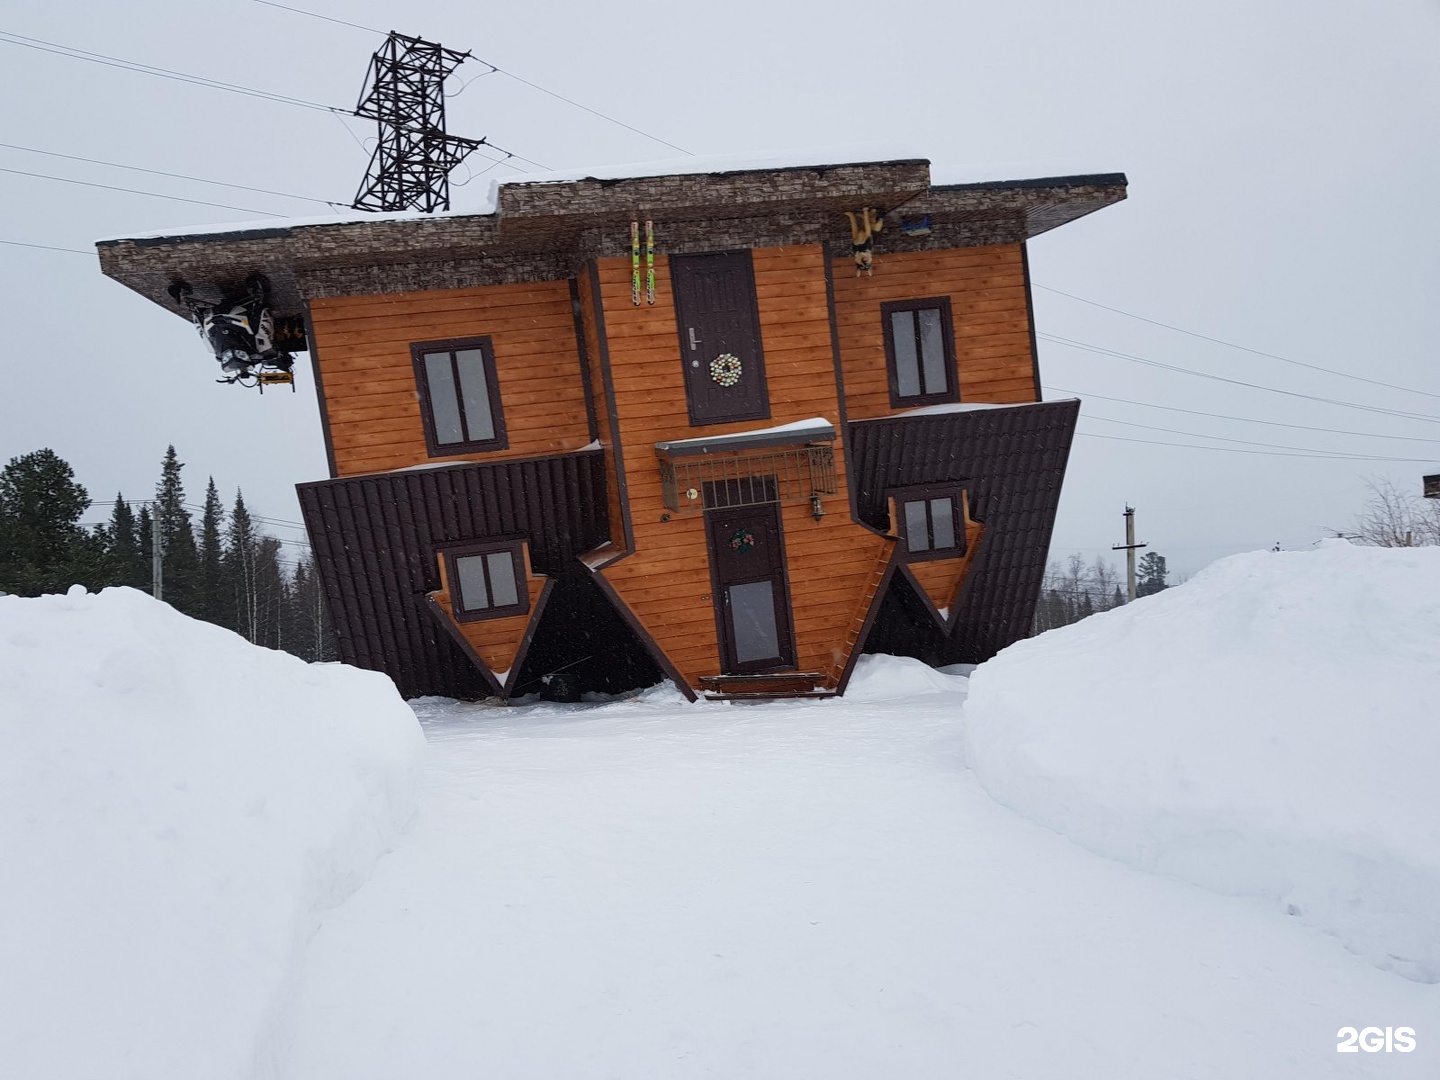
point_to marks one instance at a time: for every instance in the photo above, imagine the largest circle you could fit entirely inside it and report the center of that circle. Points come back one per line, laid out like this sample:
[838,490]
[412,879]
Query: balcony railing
[745,479]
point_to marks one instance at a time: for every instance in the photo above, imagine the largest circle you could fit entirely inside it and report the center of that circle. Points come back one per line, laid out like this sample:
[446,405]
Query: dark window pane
[907,364]
[752,613]
[475,392]
[503,588]
[444,405]
[942,523]
[917,533]
[932,351]
[474,596]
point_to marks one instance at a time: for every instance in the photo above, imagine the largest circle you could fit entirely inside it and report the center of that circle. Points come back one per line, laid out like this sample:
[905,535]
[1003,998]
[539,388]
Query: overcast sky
[1281,159]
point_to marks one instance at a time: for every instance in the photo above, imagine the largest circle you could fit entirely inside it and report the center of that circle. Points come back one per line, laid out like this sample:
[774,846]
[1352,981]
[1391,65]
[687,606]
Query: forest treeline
[218,564]
[1076,589]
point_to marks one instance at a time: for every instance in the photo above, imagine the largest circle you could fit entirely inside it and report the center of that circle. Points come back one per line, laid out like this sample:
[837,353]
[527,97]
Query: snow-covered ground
[654,888]
[1271,729]
[657,889]
[176,809]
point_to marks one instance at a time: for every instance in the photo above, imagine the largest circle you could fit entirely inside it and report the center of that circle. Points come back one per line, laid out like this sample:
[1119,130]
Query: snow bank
[1269,729]
[881,677]
[176,807]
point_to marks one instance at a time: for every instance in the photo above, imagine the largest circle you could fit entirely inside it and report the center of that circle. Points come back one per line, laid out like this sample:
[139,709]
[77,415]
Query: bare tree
[1070,593]
[1394,517]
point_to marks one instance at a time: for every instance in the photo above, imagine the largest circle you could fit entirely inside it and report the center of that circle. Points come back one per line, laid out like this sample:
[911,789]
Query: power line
[1237,450]
[496,69]
[593,112]
[1247,442]
[45,247]
[1241,419]
[1233,345]
[136,191]
[162,172]
[317,15]
[253,516]
[8,37]
[149,69]
[1102,351]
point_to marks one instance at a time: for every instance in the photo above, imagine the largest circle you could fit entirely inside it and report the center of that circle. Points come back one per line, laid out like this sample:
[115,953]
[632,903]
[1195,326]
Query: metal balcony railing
[791,475]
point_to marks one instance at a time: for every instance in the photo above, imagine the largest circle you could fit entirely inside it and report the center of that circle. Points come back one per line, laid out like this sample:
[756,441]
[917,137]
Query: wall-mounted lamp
[816,510]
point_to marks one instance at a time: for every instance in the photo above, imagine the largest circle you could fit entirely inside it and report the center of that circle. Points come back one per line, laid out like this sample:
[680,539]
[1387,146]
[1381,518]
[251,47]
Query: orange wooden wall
[667,582]
[363,346]
[986,287]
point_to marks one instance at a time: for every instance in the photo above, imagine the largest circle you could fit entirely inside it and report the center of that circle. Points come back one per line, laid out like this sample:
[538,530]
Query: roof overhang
[805,431]
[543,230]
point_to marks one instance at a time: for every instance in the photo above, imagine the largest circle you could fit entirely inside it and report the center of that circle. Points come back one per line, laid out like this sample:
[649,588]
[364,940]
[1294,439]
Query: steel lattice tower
[405,96]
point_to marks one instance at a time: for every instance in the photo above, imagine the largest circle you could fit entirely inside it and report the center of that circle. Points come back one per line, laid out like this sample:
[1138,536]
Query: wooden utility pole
[1129,548]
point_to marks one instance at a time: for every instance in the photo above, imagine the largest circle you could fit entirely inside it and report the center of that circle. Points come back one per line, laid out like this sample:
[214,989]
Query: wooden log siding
[666,582]
[372,402]
[995,360]
[375,536]
[1012,461]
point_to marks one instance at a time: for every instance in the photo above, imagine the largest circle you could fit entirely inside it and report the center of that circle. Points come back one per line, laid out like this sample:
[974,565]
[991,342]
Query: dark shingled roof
[374,538]
[1013,462]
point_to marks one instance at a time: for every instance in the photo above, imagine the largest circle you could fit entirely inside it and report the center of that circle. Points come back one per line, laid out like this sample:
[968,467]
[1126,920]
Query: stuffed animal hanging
[862,236]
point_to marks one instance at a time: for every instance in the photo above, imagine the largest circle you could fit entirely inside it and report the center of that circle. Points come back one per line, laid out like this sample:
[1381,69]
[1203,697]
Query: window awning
[816,429]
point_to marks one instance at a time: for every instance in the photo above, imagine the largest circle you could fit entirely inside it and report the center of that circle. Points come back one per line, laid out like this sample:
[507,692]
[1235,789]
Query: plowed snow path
[652,889]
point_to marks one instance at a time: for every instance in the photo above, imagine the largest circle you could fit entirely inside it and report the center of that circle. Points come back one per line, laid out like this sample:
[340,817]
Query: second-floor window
[932,521]
[487,580]
[459,396]
[920,352]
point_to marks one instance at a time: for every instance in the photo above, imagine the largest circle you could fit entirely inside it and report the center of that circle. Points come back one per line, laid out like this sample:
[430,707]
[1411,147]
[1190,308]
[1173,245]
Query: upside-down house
[737,464]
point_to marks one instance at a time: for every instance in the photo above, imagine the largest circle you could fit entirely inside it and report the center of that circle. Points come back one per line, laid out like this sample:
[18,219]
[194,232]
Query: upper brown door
[719,337]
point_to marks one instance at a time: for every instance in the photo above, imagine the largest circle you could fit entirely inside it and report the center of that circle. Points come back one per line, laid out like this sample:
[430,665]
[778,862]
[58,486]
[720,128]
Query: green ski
[635,263]
[649,262]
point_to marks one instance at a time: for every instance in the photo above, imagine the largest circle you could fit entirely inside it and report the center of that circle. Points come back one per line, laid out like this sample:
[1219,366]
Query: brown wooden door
[716,314]
[752,601]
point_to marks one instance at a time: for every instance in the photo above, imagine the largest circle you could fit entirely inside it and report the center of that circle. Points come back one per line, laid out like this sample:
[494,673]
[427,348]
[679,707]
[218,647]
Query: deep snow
[653,887]
[176,808]
[1270,729]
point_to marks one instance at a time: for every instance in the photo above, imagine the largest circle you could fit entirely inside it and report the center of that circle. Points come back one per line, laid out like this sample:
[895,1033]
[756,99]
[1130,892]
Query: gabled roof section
[542,227]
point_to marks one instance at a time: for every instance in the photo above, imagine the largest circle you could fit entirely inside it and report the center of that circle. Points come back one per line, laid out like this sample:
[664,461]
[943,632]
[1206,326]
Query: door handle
[694,341]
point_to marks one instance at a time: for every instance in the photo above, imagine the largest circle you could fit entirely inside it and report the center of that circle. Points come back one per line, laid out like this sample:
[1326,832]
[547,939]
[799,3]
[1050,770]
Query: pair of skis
[635,262]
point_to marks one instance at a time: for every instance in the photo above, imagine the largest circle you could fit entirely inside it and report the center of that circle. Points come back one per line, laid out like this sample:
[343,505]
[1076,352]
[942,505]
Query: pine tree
[1153,573]
[128,562]
[145,533]
[269,594]
[210,591]
[310,635]
[238,572]
[177,536]
[42,546]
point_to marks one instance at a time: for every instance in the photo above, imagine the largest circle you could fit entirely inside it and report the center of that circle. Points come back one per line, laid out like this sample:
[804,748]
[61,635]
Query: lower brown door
[752,601]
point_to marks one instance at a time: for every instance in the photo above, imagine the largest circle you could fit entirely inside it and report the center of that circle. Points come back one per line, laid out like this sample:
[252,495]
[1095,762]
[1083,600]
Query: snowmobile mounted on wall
[240,330]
